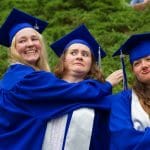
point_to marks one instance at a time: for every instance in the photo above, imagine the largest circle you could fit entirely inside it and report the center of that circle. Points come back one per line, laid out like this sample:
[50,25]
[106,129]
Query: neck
[72,79]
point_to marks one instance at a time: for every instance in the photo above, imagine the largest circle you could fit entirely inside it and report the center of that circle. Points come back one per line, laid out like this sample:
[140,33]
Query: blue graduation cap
[78,35]
[16,21]
[137,46]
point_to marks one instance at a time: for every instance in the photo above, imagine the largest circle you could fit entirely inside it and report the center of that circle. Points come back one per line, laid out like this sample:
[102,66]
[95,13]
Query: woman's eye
[136,64]
[21,41]
[148,59]
[73,53]
[35,39]
[85,54]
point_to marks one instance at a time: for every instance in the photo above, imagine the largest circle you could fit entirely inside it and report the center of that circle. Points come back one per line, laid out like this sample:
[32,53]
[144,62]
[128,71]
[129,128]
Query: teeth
[30,51]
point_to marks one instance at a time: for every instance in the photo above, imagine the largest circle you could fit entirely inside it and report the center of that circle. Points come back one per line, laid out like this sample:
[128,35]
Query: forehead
[79,46]
[25,32]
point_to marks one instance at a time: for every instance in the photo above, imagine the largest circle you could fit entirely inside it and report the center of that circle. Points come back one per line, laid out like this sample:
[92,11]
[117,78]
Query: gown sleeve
[127,139]
[40,92]
[123,135]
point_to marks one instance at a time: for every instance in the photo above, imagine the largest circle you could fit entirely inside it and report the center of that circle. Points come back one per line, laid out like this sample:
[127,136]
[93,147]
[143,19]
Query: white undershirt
[139,117]
[80,130]
[78,135]
[54,134]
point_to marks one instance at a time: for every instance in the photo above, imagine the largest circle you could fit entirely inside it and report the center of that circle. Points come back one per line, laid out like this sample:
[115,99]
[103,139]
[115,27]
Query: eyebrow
[24,36]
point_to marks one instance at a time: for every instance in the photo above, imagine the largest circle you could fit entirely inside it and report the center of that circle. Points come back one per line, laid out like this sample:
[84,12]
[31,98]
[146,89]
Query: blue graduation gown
[29,98]
[100,139]
[123,135]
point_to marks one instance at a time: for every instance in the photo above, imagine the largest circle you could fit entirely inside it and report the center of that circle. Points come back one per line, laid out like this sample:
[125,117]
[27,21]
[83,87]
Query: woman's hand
[115,77]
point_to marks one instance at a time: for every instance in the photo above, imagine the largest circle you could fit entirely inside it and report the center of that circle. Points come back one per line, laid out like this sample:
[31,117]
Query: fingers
[115,77]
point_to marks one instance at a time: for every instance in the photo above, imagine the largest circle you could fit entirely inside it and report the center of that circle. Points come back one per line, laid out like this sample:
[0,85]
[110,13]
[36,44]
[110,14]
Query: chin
[31,62]
[146,81]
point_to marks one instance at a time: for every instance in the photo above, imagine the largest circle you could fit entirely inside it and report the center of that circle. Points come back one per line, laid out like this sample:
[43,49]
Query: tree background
[111,22]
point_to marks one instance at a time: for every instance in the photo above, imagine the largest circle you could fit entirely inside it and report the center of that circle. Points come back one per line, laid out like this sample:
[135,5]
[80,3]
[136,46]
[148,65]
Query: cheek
[136,71]
[66,65]
[20,48]
[38,45]
[88,65]
[89,62]
[68,59]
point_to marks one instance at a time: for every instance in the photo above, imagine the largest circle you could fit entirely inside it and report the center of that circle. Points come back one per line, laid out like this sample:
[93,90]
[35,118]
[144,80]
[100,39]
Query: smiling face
[78,60]
[28,45]
[141,69]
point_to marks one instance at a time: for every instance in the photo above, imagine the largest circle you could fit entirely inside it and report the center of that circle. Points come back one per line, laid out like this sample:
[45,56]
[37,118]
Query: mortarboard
[79,35]
[137,46]
[16,21]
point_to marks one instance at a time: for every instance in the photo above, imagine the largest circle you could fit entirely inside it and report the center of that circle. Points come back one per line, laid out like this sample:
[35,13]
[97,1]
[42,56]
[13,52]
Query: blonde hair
[94,73]
[42,63]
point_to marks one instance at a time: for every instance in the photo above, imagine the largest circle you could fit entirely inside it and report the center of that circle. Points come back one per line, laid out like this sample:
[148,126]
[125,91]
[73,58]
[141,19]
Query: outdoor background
[111,22]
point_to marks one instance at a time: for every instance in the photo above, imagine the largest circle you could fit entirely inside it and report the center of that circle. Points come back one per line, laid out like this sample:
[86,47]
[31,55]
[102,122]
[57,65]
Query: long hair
[42,63]
[143,91]
[94,73]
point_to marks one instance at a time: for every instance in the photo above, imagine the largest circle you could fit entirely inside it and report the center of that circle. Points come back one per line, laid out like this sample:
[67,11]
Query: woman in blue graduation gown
[130,109]
[29,94]
[80,129]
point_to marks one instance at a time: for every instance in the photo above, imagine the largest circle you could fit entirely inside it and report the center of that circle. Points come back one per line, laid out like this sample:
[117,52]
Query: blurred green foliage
[110,22]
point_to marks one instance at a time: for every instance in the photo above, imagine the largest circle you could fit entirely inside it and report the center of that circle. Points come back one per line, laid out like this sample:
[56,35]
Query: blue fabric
[16,21]
[136,1]
[78,41]
[123,135]
[141,50]
[100,139]
[16,28]
[67,128]
[80,33]
[137,46]
[29,98]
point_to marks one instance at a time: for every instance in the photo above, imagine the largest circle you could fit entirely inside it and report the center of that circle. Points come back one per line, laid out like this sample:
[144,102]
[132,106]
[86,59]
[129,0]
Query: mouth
[145,71]
[31,51]
[79,64]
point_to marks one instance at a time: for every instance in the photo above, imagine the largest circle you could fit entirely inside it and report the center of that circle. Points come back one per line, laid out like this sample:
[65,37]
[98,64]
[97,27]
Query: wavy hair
[94,73]
[143,91]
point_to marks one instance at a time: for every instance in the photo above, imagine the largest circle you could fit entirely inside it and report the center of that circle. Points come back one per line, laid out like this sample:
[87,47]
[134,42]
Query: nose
[143,62]
[30,42]
[79,57]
